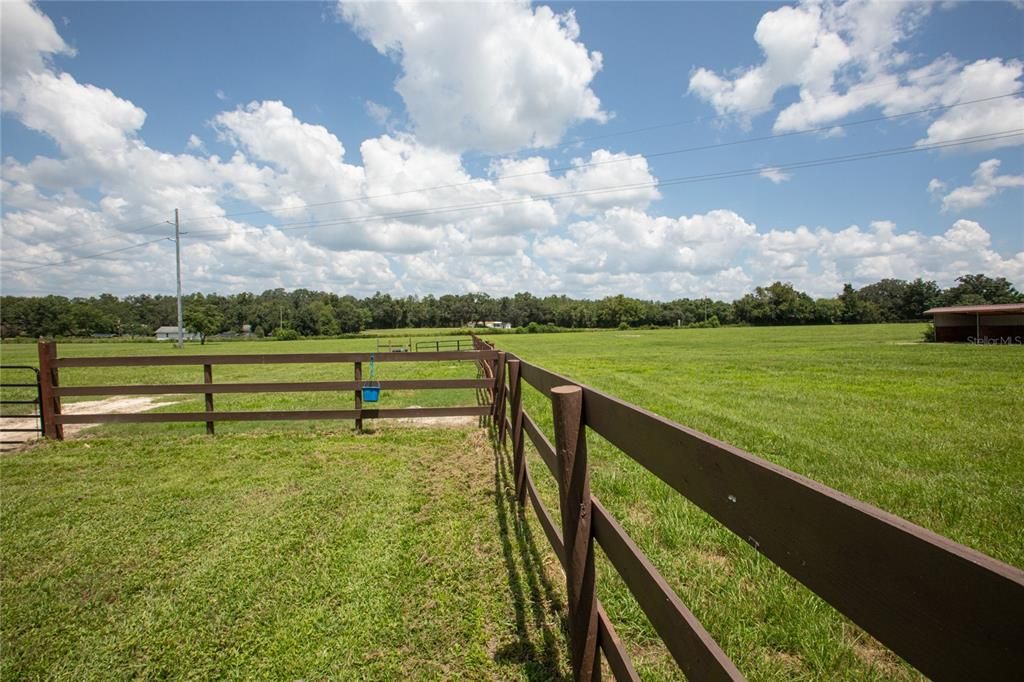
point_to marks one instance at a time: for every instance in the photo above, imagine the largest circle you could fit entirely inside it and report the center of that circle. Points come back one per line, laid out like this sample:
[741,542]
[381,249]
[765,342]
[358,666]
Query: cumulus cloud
[987,183]
[845,57]
[775,175]
[28,40]
[490,76]
[627,240]
[367,226]
[821,260]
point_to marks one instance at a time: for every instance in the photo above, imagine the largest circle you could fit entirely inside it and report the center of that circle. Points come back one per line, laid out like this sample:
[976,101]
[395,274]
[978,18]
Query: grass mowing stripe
[264,555]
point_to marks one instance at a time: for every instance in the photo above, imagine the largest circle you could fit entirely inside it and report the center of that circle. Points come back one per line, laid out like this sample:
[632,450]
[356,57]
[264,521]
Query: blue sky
[101,101]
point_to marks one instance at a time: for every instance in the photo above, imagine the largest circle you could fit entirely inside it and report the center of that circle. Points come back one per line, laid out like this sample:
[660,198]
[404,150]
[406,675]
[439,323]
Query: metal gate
[37,401]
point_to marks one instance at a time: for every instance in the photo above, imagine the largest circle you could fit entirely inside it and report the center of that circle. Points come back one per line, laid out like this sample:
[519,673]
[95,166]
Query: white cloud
[27,41]
[627,240]
[775,175]
[196,143]
[219,94]
[490,76]
[985,186]
[108,181]
[845,57]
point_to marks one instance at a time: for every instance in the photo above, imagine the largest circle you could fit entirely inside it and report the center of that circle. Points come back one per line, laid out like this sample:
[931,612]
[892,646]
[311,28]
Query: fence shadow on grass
[537,604]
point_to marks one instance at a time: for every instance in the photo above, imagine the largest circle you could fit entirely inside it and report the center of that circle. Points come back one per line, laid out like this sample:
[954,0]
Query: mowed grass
[927,431]
[930,432]
[271,555]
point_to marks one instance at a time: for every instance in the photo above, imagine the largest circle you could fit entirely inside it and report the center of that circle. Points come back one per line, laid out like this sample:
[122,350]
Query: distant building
[1002,323]
[168,333]
[491,324]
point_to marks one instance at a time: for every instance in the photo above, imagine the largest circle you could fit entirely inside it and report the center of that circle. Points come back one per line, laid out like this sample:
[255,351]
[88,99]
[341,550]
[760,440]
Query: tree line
[315,313]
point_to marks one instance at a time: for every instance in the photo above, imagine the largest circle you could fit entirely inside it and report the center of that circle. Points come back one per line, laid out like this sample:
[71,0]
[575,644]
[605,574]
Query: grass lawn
[930,432]
[392,555]
[110,542]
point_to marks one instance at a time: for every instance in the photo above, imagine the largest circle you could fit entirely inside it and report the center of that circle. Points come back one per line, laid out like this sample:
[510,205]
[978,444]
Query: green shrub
[928,335]
[282,334]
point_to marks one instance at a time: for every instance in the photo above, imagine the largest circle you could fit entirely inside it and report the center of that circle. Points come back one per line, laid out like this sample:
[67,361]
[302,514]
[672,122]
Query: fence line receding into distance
[950,611]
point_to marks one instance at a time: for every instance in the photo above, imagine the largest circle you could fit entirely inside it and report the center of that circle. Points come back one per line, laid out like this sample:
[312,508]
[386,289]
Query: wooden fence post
[208,379]
[574,490]
[49,379]
[499,396]
[516,418]
[359,395]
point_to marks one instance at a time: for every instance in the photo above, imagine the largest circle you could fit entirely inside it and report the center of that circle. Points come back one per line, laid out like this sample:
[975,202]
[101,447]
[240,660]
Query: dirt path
[115,405]
[433,422]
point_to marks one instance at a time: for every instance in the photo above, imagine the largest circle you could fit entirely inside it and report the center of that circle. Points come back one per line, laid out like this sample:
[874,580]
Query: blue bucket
[371,394]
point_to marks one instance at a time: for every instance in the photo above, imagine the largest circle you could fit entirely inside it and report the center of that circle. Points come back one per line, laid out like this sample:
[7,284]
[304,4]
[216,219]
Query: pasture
[928,432]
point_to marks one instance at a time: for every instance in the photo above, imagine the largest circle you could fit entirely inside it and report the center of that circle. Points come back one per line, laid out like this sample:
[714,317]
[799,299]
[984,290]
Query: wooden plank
[546,522]
[49,382]
[516,413]
[574,499]
[357,369]
[502,394]
[272,359]
[208,379]
[613,648]
[541,442]
[275,387]
[694,650]
[949,610]
[276,415]
[614,651]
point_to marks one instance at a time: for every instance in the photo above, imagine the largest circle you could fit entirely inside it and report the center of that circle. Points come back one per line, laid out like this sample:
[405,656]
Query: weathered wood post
[208,379]
[498,410]
[516,419]
[574,490]
[49,379]
[359,395]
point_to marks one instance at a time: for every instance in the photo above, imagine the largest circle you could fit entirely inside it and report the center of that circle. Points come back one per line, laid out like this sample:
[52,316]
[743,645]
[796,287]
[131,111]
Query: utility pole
[177,253]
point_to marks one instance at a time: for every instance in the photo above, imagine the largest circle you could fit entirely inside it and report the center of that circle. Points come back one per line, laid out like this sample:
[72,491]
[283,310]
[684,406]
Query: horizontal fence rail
[952,612]
[267,359]
[51,391]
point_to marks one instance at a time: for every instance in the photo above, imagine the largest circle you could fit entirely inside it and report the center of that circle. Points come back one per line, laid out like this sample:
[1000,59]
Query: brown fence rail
[51,391]
[950,611]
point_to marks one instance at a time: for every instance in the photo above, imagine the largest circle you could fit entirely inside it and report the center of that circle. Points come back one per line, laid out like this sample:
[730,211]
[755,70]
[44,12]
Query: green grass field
[927,431]
[930,432]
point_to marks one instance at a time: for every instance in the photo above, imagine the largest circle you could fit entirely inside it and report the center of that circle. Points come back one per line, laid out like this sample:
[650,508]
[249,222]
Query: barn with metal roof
[1000,323]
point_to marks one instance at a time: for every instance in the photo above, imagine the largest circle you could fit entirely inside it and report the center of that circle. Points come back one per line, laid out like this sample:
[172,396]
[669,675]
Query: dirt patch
[871,651]
[435,422]
[113,405]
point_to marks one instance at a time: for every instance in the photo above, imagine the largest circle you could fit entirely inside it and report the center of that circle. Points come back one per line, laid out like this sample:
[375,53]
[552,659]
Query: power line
[94,255]
[631,157]
[826,161]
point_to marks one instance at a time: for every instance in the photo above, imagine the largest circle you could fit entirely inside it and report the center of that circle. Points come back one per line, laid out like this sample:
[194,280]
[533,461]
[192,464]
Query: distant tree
[887,295]
[778,303]
[828,311]
[920,295]
[856,309]
[981,289]
[351,317]
[203,319]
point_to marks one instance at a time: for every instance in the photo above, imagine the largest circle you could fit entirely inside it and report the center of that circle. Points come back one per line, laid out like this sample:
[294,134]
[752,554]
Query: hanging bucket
[371,394]
[371,388]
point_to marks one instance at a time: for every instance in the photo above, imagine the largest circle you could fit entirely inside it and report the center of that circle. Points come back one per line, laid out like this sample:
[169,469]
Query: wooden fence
[951,612]
[51,391]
